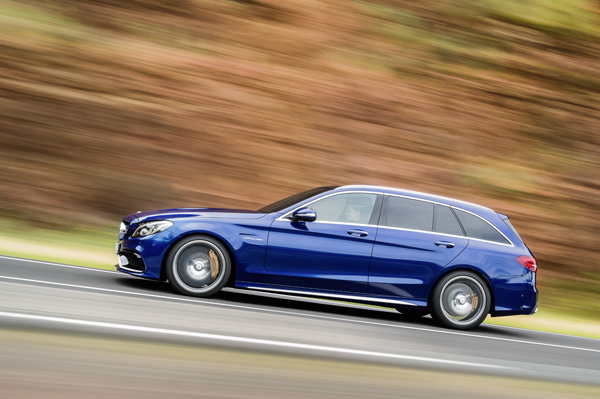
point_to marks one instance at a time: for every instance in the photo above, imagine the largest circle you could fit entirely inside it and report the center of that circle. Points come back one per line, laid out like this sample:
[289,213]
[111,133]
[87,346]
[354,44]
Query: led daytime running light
[149,228]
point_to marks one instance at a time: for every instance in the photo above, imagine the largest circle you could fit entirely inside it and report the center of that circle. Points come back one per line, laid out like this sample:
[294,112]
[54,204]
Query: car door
[331,253]
[415,240]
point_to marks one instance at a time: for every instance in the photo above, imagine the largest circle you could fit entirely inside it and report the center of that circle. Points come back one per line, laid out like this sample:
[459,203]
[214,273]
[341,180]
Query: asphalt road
[50,297]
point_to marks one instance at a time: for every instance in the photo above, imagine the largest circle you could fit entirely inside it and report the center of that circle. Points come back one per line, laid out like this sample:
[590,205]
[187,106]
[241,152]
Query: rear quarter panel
[512,284]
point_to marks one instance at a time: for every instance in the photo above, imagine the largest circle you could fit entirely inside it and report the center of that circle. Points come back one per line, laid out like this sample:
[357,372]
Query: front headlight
[149,228]
[122,228]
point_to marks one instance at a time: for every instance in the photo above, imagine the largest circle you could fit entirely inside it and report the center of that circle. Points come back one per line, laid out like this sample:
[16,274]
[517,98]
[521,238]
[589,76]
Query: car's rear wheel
[460,300]
[198,266]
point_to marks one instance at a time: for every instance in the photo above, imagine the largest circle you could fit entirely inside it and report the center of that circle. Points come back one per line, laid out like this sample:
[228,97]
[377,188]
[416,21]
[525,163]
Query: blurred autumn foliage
[110,106]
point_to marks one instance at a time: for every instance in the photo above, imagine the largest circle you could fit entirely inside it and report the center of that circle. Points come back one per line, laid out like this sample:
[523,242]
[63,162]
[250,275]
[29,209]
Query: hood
[194,212]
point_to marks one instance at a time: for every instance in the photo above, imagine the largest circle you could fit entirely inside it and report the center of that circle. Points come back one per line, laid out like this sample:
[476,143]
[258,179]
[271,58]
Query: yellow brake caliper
[214,264]
[474,302]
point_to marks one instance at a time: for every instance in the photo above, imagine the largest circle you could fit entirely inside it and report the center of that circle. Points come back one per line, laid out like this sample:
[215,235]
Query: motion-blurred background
[108,107]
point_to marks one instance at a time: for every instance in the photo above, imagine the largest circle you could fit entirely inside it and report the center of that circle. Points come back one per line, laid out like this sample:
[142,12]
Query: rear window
[476,227]
[410,214]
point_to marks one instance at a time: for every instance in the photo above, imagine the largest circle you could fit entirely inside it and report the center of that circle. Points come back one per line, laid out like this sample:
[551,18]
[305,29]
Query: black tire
[413,313]
[460,300]
[198,265]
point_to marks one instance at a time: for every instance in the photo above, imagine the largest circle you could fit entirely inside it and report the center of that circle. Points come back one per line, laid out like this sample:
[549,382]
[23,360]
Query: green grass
[552,321]
[93,247]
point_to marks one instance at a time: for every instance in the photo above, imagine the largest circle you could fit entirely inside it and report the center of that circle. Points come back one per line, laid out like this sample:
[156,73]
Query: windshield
[294,199]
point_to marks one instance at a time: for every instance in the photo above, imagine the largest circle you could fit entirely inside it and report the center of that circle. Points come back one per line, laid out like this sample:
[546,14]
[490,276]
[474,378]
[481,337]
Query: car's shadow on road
[146,286]
[318,307]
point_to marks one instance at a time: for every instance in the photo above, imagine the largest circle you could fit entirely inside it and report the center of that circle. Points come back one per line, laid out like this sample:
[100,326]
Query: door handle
[445,244]
[358,233]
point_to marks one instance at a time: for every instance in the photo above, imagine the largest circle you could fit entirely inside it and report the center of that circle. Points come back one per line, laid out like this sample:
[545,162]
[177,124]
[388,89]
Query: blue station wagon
[419,253]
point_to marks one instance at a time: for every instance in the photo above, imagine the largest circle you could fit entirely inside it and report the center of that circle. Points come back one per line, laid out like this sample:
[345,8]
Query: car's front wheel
[460,300]
[198,265]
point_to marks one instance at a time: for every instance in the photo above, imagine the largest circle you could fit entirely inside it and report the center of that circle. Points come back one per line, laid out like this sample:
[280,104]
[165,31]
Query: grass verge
[550,321]
[82,247]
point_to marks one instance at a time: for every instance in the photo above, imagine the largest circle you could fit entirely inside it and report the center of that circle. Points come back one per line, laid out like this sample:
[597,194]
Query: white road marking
[449,332]
[241,339]
[60,264]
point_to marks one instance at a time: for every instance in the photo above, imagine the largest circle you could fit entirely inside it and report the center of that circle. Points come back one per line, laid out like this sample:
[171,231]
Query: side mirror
[304,215]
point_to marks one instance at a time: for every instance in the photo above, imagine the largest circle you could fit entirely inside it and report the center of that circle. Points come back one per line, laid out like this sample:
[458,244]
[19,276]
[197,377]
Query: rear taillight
[528,261]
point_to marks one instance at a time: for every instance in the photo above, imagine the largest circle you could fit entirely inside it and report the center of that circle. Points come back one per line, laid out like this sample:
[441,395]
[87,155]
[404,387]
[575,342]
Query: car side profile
[416,252]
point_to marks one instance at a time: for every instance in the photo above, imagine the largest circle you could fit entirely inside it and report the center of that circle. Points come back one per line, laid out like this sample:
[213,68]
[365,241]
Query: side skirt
[335,295]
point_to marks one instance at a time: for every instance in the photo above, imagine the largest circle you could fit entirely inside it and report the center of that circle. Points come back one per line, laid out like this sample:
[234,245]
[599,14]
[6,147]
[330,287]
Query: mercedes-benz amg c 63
[416,252]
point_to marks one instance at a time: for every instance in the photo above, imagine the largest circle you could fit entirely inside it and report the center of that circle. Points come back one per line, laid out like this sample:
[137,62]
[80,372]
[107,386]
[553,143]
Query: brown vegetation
[108,107]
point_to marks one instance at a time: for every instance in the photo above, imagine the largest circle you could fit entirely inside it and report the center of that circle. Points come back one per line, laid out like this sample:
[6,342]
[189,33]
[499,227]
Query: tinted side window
[345,208]
[410,214]
[477,228]
[445,221]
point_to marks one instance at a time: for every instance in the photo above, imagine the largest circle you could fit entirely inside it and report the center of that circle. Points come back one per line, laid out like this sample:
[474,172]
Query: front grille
[131,261]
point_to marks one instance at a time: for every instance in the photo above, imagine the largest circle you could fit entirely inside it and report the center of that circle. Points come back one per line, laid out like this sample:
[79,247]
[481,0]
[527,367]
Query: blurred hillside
[108,107]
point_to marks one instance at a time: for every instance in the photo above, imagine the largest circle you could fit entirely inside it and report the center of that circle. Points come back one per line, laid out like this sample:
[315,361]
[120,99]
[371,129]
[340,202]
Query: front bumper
[131,262]
[143,256]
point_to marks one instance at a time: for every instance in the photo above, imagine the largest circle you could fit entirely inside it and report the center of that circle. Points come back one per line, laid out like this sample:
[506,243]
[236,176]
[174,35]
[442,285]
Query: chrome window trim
[421,199]
[340,223]
[309,293]
[445,235]
[283,217]
[511,244]
[417,192]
